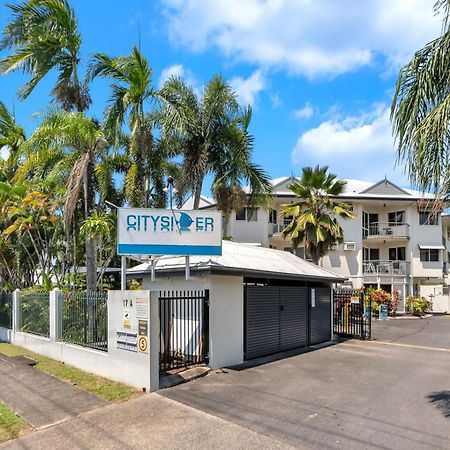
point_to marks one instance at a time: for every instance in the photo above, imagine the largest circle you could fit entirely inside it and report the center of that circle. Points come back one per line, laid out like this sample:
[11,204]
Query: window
[396,217]
[247,214]
[397,254]
[240,215]
[273,215]
[427,218]
[301,253]
[429,254]
[371,254]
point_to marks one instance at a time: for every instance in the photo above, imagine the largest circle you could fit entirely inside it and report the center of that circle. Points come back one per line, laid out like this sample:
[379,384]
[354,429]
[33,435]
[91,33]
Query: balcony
[381,268]
[277,228]
[381,231]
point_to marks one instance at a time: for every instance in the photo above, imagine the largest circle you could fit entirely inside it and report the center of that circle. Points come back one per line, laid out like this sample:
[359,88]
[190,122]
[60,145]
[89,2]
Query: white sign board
[168,232]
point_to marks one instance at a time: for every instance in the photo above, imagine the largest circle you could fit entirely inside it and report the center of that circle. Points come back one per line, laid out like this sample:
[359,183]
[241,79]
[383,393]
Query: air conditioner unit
[349,246]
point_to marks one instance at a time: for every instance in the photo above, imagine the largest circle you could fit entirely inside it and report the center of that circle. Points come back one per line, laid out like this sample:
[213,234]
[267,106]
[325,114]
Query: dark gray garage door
[320,315]
[276,319]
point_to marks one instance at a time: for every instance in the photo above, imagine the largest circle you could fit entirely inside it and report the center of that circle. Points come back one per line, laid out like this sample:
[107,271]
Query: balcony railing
[386,267]
[277,228]
[386,230]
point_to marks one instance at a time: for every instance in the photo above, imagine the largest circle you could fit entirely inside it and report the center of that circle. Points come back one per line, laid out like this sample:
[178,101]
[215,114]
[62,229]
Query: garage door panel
[321,317]
[263,321]
[294,317]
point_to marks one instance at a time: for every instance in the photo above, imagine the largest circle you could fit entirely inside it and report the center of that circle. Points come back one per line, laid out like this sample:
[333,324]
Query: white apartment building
[394,242]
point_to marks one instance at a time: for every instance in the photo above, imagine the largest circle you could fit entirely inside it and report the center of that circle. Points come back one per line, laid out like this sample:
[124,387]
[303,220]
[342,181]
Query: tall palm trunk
[226,223]
[198,191]
[91,266]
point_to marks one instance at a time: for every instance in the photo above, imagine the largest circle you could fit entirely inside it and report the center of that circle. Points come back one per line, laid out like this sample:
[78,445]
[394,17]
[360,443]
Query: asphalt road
[354,395]
[429,332]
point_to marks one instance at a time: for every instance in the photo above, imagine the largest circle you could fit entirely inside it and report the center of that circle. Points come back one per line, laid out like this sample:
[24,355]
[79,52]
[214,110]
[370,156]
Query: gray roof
[246,260]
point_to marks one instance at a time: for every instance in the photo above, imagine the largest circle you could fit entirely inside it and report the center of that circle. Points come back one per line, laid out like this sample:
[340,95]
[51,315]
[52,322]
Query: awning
[431,247]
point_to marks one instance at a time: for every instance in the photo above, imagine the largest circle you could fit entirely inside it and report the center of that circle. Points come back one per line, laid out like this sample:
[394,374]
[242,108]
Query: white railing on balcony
[386,267]
[276,228]
[386,230]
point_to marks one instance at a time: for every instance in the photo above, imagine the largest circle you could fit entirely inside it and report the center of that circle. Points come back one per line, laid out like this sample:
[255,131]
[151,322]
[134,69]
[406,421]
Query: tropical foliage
[315,216]
[56,183]
[420,111]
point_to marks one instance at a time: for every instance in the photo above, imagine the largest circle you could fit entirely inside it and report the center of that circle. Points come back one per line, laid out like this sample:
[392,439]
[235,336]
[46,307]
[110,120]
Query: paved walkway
[42,400]
[147,422]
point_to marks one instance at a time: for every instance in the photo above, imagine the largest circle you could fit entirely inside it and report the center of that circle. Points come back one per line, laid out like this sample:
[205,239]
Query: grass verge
[10,425]
[102,387]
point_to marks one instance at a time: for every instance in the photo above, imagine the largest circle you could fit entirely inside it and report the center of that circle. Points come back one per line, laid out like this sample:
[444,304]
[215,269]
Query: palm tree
[132,89]
[420,111]
[314,217]
[196,125]
[12,137]
[233,167]
[85,141]
[42,36]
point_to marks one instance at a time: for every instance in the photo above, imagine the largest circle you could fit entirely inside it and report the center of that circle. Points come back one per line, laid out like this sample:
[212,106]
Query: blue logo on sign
[185,222]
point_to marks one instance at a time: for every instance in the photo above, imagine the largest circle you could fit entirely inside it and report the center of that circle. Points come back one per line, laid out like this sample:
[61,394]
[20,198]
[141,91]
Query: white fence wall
[140,370]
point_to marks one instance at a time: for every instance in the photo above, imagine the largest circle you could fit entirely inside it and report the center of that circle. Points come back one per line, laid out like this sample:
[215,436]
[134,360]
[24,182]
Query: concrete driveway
[354,395]
[429,332]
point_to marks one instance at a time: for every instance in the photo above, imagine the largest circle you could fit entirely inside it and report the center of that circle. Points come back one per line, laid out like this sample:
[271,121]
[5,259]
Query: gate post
[17,311]
[154,344]
[55,306]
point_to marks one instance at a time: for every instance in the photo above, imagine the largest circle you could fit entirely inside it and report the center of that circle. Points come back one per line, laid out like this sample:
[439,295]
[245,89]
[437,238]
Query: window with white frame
[428,218]
[396,217]
[251,215]
[429,254]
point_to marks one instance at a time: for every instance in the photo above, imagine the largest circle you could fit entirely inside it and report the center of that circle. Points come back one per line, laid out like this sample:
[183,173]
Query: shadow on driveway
[442,401]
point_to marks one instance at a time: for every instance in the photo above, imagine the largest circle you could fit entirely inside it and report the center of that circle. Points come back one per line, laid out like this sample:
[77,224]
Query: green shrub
[418,305]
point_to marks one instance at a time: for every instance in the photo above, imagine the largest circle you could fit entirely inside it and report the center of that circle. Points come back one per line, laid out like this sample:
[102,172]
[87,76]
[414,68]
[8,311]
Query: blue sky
[319,73]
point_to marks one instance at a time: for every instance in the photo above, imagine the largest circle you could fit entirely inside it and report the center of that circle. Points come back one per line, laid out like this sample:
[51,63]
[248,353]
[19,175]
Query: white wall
[226,312]
[252,232]
[119,365]
[441,301]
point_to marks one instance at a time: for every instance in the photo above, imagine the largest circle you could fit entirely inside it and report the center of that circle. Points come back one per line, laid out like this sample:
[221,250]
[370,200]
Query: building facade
[395,242]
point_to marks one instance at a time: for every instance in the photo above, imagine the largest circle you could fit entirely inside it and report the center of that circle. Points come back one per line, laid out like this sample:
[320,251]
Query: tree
[42,36]
[314,217]
[195,126]
[233,167]
[131,89]
[85,141]
[12,136]
[420,111]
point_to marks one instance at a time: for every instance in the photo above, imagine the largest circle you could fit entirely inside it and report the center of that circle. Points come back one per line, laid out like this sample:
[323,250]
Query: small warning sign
[126,318]
[143,344]
[143,327]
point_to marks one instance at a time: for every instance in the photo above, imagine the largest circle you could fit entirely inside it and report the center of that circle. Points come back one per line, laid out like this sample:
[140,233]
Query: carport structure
[260,301]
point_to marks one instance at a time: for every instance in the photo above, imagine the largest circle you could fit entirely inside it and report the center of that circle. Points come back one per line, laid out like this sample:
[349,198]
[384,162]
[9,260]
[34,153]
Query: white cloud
[304,113]
[176,70]
[354,147]
[248,89]
[310,37]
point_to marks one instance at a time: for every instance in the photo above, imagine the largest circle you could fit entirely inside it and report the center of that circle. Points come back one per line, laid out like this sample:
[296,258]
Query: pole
[123,273]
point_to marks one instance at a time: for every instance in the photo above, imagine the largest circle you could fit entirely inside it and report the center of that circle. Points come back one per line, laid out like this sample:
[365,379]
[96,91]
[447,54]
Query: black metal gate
[184,324]
[352,314]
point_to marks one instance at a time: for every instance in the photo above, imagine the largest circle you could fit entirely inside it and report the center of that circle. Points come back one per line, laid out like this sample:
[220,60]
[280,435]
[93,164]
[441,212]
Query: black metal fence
[35,313]
[6,308]
[352,314]
[85,319]
[184,321]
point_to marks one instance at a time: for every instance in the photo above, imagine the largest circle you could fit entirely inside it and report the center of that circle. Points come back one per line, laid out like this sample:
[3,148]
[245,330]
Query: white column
[56,301]
[154,338]
[17,311]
